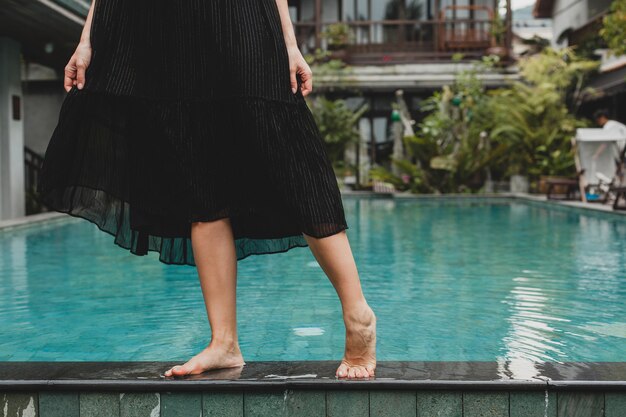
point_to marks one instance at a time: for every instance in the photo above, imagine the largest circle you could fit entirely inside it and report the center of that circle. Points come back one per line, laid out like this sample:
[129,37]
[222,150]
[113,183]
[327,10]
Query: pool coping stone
[281,375]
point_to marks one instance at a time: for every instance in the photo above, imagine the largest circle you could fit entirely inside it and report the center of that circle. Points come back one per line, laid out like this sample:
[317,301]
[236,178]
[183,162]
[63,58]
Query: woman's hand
[298,65]
[77,65]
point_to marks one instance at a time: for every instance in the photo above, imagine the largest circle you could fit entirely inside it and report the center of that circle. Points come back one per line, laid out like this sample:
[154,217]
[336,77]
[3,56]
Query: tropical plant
[539,120]
[471,134]
[614,27]
[562,71]
[338,125]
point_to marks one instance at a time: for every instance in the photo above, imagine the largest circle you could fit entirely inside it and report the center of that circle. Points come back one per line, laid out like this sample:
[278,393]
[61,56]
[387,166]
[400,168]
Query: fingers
[69,74]
[80,78]
[74,72]
[307,82]
[294,82]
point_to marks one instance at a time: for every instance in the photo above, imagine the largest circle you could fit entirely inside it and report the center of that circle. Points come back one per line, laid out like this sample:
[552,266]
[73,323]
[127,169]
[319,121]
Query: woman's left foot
[359,360]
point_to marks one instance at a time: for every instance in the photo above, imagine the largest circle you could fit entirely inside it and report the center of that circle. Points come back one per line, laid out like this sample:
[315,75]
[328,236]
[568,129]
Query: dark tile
[391,403]
[485,404]
[19,404]
[305,403]
[263,404]
[439,404]
[139,404]
[59,404]
[532,404]
[349,403]
[99,404]
[580,404]
[179,404]
[222,404]
[615,403]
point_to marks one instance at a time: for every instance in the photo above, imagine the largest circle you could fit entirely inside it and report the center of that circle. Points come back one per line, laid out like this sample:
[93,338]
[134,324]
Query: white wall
[11,132]
[568,14]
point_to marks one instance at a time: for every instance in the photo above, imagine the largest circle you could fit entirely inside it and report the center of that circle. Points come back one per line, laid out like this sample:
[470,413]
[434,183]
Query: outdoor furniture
[620,192]
[598,160]
[383,187]
[569,184]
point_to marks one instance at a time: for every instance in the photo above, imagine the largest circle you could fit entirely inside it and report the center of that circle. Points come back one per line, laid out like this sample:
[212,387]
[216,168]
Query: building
[414,45]
[573,20]
[577,23]
[36,40]
[529,33]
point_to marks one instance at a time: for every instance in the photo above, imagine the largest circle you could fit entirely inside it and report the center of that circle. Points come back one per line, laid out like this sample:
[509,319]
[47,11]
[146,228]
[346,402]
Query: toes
[180,370]
[342,371]
[352,372]
[370,369]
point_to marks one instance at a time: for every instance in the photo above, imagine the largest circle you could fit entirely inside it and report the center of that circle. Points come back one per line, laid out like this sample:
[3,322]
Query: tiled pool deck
[268,389]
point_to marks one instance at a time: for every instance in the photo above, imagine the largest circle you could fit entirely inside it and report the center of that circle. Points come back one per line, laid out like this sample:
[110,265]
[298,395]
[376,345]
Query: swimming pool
[450,280]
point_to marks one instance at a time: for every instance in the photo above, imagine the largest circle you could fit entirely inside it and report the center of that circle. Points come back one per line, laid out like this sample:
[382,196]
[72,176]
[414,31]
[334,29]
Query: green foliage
[337,124]
[338,35]
[471,133]
[498,28]
[614,27]
[561,71]
[538,125]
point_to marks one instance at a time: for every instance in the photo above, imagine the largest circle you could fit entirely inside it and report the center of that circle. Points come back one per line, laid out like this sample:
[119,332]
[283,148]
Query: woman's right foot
[359,360]
[214,356]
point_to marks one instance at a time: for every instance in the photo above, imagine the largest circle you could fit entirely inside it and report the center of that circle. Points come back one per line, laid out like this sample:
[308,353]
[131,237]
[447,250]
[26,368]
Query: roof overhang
[543,9]
[608,83]
[48,30]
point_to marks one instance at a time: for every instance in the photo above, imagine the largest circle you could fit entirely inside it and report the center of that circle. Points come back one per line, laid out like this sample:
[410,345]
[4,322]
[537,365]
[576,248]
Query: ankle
[358,312]
[230,344]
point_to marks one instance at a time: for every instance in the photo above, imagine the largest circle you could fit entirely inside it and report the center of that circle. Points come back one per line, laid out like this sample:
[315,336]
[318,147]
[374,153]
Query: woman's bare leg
[334,255]
[216,261]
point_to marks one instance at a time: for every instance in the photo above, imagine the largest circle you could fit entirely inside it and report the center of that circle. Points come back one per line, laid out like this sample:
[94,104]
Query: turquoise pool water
[450,280]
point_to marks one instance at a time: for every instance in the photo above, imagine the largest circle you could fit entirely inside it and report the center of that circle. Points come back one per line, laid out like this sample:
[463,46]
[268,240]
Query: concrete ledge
[34,219]
[500,197]
[148,376]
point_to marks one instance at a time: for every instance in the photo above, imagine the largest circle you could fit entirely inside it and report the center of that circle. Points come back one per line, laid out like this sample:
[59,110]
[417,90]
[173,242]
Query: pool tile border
[533,199]
[360,403]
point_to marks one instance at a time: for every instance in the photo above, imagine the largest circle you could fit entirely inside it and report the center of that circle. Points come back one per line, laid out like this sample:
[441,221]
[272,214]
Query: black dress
[187,115]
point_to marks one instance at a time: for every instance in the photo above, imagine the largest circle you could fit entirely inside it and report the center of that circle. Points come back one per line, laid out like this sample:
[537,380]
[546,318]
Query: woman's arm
[297,63]
[85,35]
[79,61]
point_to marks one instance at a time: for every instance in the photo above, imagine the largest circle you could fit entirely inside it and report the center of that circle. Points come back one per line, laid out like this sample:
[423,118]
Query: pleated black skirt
[187,115]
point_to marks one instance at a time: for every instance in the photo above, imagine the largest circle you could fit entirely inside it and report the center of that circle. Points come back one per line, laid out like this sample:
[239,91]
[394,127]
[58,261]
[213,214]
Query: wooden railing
[412,40]
[466,34]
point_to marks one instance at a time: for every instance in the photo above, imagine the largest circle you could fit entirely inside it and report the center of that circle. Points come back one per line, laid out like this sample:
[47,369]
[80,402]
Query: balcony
[463,32]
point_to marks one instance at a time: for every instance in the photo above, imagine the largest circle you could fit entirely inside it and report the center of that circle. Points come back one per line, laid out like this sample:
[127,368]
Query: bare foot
[359,360]
[214,356]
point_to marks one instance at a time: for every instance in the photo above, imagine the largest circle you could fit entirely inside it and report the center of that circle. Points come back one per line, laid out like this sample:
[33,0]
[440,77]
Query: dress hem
[148,249]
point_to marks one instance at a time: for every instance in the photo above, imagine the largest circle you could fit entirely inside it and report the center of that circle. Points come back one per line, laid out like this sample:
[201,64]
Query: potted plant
[338,36]
[498,32]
